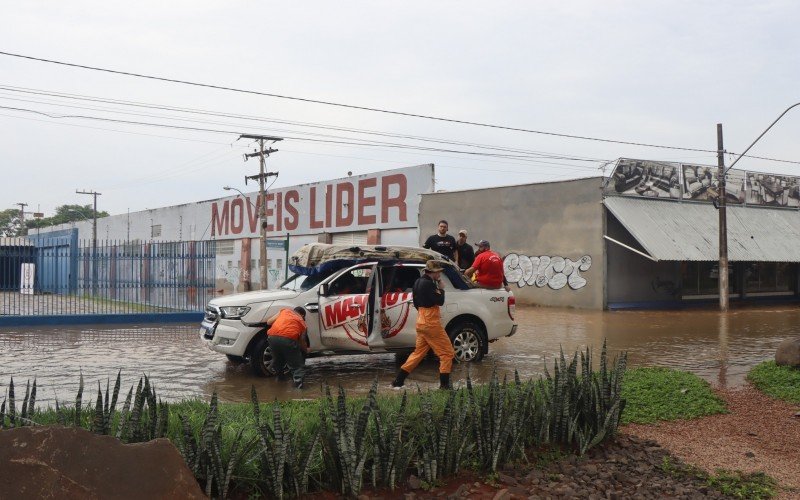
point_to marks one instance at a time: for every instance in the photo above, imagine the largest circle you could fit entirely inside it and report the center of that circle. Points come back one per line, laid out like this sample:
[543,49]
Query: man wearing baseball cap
[428,296]
[465,255]
[488,266]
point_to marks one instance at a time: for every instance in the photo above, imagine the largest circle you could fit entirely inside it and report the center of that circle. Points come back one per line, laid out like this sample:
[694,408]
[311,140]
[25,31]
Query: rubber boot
[400,379]
[444,381]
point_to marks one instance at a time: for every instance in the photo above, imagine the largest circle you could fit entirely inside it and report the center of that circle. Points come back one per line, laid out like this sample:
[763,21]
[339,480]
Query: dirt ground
[759,434]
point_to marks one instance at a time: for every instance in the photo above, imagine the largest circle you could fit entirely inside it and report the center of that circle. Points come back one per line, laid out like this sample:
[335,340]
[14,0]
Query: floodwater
[720,348]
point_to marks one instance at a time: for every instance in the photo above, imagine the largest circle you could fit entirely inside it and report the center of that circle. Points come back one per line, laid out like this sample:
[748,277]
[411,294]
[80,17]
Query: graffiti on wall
[231,274]
[544,270]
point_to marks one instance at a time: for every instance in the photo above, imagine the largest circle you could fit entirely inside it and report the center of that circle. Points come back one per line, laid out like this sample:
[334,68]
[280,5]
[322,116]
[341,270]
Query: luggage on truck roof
[315,257]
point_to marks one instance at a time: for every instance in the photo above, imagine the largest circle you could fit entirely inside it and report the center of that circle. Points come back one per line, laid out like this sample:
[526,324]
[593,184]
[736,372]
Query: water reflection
[720,348]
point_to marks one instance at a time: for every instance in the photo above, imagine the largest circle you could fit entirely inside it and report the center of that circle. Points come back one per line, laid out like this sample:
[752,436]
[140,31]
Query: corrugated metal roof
[690,231]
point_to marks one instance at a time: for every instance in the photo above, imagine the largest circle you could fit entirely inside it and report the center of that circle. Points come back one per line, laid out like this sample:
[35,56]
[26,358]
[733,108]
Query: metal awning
[670,230]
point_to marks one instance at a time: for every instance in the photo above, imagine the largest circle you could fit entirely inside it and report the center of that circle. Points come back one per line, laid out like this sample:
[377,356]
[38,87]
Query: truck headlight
[234,312]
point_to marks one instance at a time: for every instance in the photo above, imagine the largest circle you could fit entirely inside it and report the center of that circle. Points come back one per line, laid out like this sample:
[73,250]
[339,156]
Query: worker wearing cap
[487,267]
[465,255]
[428,296]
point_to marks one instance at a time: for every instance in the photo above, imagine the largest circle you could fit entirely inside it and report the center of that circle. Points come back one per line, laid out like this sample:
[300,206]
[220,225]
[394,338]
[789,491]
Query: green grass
[780,382]
[756,485]
[654,394]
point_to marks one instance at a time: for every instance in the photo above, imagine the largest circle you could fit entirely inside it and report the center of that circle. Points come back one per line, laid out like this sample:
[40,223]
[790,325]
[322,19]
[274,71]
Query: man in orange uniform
[287,342]
[428,296]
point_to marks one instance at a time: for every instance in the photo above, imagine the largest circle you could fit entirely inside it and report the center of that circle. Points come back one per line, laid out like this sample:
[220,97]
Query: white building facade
[375,208]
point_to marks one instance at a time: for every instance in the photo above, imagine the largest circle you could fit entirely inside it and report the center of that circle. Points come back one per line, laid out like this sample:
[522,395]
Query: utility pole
[723,224]
[262,153]
[22,217]
[94,194]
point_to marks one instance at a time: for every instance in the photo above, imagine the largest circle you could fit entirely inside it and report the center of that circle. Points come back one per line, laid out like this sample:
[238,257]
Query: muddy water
[720,348]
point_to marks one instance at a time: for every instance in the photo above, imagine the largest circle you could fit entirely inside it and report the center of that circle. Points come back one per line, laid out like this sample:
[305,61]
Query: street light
[723,220]
[228,188]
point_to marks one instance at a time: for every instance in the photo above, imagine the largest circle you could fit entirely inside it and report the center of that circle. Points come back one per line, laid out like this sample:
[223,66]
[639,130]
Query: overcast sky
[648,72]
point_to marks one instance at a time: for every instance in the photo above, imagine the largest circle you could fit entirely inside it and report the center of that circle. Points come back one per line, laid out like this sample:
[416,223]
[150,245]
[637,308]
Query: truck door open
[395,317]
[345,309]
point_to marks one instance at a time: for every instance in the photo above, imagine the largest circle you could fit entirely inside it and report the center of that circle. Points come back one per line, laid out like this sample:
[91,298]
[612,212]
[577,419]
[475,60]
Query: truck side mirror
[323,289]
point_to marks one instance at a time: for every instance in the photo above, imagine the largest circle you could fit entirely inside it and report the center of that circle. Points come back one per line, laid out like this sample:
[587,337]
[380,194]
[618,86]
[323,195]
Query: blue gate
[56,262]
[96,281]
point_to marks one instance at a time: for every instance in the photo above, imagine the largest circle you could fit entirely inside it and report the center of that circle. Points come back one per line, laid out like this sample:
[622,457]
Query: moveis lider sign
[386,199]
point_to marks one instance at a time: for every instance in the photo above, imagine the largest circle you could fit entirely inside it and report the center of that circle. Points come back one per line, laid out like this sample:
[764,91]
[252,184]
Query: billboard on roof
[649,179]
[693,182]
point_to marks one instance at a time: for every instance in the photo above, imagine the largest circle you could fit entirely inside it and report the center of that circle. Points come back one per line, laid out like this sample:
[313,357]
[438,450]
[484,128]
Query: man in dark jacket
[464,252]
[428,296]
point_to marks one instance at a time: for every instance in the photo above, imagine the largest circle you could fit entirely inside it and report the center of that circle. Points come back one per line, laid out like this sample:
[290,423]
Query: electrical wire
[232,132]
[350,106]
[510,162]
[267,120]
[64,95]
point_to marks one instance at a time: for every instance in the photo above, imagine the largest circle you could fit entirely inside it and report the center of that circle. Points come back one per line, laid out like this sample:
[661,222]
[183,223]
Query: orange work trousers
[431,335]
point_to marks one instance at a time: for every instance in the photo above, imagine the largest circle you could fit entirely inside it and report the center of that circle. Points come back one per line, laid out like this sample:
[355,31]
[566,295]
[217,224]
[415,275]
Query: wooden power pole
[22,230]
[262,176]
[723,225]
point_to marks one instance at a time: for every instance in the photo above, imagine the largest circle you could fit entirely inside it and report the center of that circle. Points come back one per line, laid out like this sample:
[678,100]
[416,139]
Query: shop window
[702,278]
[786,279]
[224,247]
[766,277]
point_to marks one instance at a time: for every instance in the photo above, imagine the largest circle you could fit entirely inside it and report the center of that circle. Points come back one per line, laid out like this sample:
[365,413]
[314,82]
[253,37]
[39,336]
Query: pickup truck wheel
[261,357]
[236,360]
[468,340]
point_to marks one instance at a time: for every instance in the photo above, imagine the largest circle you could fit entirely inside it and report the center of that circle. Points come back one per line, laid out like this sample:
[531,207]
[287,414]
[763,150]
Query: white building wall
[387,200]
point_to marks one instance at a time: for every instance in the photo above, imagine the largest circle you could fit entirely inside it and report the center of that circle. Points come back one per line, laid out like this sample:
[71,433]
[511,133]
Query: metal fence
[64,276]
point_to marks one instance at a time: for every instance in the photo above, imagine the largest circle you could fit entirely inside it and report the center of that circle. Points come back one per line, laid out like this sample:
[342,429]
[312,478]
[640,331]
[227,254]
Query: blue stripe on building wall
[101,319]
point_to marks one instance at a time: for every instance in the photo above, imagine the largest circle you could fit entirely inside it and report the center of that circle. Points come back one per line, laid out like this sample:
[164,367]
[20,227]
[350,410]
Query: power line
[349,106]
[64,95]
[308,139]
[164,176]
[261,119]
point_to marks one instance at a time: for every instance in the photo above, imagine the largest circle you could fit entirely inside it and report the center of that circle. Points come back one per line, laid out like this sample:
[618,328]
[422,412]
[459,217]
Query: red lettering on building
[313,222]
[279,211]
[219,221]
[252,214]
[328,204]
[350,204]
[237,215]
[269,211]
[343,206]
[398,201]
[291,198]
[365,201]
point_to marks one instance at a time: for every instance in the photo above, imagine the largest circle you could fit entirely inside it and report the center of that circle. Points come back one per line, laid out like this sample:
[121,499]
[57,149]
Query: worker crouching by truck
[287,342]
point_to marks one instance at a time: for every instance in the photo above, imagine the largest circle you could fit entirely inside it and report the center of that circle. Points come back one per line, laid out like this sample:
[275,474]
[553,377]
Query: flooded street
[719,348]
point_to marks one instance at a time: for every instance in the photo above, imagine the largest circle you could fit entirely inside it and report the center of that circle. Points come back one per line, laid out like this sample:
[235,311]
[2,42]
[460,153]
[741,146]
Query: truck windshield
[301,282]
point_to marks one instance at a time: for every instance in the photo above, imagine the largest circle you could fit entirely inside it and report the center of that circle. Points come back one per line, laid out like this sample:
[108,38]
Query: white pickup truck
[357,300]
